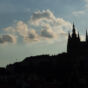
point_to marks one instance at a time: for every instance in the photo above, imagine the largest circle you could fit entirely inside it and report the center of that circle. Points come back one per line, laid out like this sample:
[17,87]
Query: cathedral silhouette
[75,45]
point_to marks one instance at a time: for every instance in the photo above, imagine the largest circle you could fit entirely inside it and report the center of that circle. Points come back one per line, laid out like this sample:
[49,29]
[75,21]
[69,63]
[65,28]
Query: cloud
[42,25]
[77,13]
[21,28]
[32,36]
[47,32]
[45,15]
[86,3]
[82,11]
[7,39]
[51,25]
[24,33]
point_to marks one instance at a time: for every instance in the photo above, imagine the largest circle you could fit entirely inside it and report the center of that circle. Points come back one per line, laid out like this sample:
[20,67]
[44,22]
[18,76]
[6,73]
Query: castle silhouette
[75,45]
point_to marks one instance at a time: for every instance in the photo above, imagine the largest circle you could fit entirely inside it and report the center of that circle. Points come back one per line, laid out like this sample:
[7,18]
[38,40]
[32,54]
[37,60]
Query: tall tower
[73,45]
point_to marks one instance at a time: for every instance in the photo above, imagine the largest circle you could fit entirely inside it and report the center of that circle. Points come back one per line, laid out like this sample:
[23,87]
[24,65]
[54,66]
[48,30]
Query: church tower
[73,41]
[75,46]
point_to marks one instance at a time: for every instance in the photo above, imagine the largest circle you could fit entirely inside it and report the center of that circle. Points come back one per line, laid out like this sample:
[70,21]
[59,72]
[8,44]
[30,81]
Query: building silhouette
[75,45]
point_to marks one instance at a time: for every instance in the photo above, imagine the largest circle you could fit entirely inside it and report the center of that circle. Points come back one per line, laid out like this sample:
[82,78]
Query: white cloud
[45,15]
[47,32]
[22,28]
[51,27]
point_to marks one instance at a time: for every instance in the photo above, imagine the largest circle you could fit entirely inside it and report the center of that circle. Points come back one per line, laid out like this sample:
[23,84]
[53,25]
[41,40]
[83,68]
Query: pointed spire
[74,32]
[73,28]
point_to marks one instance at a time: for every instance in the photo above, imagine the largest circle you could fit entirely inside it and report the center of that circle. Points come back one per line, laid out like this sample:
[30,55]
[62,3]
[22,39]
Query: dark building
[75,45]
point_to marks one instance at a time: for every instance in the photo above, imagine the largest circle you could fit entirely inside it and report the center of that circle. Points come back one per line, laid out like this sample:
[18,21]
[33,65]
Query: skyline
[30,27]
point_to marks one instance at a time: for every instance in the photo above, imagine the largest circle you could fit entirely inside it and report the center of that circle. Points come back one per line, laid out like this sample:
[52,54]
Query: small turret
[86,36]
[69,38]
[78,36]
[73,44]
[69,35]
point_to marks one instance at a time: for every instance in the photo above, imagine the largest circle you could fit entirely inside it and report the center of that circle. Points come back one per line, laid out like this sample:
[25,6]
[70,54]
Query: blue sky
[35,27]
[12,10]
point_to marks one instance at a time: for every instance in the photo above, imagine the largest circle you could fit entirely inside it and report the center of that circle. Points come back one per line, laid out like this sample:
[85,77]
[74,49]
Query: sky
[36,27]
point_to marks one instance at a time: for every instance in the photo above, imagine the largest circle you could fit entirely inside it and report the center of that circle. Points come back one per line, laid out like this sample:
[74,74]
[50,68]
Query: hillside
[63,70]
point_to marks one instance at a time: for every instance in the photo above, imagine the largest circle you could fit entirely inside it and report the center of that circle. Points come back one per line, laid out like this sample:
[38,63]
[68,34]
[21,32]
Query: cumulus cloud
[19,28]
[32,36]
[55,25]
[22,28]
[7,39]
[63,24]
[47,32]
[45,15]
[50,27]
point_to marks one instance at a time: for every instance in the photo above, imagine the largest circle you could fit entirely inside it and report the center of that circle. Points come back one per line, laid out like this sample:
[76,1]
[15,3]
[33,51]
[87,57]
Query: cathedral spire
[73,25]
[74,32]
[74,28]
